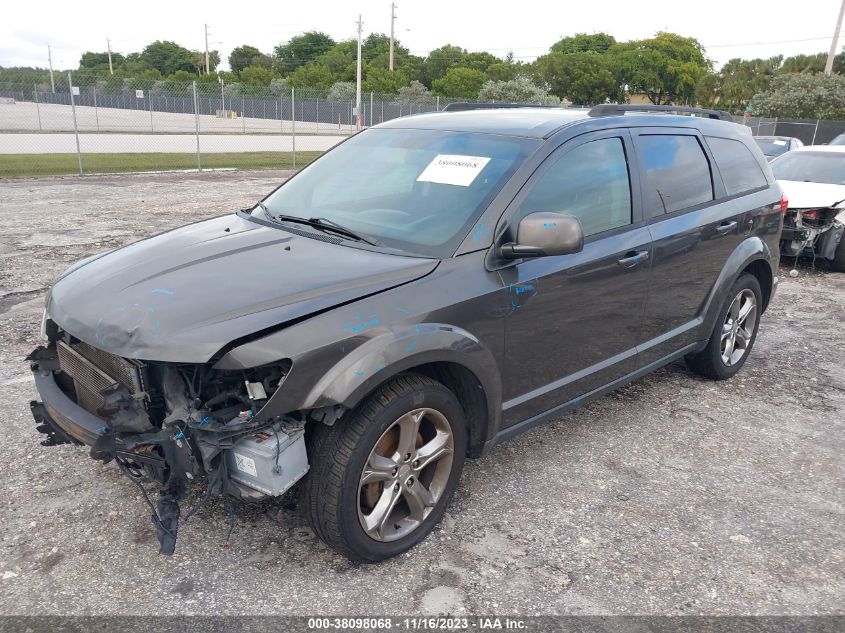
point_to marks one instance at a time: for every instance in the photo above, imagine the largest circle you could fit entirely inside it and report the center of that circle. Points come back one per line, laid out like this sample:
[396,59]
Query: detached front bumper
[58,413]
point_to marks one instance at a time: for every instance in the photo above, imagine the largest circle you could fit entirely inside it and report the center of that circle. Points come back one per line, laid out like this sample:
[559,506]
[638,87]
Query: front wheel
[381,478]
[734,334]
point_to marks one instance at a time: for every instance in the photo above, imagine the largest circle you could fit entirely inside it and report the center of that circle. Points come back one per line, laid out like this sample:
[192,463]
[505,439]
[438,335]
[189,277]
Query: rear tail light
[784,204]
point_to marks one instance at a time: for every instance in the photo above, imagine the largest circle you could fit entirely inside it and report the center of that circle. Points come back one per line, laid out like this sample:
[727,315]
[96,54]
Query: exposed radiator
[93,370]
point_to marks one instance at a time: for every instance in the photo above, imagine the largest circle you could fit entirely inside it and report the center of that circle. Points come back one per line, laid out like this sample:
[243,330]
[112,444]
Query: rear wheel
[734,333]
[380,479]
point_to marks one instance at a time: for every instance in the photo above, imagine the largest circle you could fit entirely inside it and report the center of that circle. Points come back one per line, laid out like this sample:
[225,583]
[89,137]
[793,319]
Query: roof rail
[614,109]
[461,106]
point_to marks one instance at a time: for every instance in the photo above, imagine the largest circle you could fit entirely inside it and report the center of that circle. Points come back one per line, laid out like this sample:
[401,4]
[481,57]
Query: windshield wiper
[322,224]
[339,228]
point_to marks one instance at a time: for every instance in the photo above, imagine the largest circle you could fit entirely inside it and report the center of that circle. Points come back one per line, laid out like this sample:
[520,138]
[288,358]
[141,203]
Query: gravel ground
[675,495]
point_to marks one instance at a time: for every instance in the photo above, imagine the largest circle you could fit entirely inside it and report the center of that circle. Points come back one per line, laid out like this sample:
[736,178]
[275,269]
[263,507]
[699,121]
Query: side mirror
[543,234]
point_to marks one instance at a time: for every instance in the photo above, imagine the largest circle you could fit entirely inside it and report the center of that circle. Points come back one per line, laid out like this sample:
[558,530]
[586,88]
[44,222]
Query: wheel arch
[753,256]
[448,354]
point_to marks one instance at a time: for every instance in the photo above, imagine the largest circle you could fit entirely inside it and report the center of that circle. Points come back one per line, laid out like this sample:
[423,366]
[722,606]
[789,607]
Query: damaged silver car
[428,288]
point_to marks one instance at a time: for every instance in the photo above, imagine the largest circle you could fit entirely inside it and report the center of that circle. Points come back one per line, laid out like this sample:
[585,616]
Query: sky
[727,29]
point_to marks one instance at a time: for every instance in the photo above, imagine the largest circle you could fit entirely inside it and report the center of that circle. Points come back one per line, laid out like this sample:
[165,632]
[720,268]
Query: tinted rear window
[677,173]
[740,170]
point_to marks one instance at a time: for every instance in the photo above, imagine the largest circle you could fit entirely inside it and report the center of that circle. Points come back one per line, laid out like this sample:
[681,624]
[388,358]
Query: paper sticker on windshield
[779,142]
[453,169]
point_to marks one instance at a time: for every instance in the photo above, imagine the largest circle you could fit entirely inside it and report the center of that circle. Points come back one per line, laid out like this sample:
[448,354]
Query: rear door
[574,320]
[695,226]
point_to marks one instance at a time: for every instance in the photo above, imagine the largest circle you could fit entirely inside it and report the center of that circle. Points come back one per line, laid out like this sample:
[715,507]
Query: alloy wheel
[738,328]
[405,475]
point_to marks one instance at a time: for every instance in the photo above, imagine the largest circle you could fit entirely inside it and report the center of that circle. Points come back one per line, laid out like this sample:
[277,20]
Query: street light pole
[358,79]
[50,59]
[206,51]
[828,67]
[392,22]
[108,46]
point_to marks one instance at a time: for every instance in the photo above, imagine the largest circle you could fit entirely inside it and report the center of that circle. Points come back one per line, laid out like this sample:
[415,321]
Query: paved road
[675,495]
[27,116]
[22,143]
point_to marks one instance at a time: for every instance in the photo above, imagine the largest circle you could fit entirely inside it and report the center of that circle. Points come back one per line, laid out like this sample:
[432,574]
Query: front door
[574,320]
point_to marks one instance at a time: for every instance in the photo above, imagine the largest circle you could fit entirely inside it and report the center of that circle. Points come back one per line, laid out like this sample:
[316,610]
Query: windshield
[826,167]
[418,191]
[772,146]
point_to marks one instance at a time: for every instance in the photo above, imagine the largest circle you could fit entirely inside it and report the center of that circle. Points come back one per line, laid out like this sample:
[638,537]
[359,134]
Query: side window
[590,182]
[740,170]
[676,172]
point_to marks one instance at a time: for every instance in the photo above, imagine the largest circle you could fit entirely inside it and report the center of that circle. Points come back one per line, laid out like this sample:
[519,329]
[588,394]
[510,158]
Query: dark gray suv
[428,288]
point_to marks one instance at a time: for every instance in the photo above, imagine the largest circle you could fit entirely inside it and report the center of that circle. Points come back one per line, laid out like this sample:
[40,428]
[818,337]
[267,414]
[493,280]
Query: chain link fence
[809,131]
[117,124]
[142,125]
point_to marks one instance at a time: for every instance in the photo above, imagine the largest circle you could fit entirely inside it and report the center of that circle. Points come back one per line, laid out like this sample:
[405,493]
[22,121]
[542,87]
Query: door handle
[632,258]
[726,227]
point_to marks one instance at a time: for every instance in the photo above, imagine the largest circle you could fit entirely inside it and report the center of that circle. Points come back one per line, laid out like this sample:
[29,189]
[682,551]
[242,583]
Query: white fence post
[197,124]
[75,127]
[96,115]
[37,107]
[293,123]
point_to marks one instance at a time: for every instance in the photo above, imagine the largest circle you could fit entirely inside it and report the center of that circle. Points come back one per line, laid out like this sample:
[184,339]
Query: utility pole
[392,22]
[828,67]
[358,79]
[50,59]
[108,46]
[207,67]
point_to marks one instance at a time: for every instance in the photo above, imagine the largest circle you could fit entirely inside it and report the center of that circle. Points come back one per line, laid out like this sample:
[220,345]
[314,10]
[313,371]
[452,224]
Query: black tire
[837,264]
[338,454]
[709,361]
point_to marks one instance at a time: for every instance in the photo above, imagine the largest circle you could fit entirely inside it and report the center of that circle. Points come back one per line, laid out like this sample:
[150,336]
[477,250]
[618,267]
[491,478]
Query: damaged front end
[814,232]
[175,424]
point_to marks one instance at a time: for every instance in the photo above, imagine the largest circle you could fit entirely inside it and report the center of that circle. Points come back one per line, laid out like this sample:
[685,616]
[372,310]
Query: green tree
[583,78]
[741,79]
[415,92]
[504,71]
[301,50]
[519,90]
[439,61]
[665,68]
[340,60]
[100,61]
[168,57]
[242,57]
[460,82]
[584,43]
[707,92]
[802,96]
[479,61]
[256,76]
[311,76]
[279,86]
[342,91]
[381,80]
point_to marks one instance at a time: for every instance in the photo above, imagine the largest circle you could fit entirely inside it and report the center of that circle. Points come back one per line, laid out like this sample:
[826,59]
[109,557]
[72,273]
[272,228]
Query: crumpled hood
[181,296]
[810,195]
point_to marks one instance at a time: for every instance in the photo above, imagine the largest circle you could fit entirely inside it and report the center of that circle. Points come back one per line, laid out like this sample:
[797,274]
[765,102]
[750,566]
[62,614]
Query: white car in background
[774,146]
[813,181]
